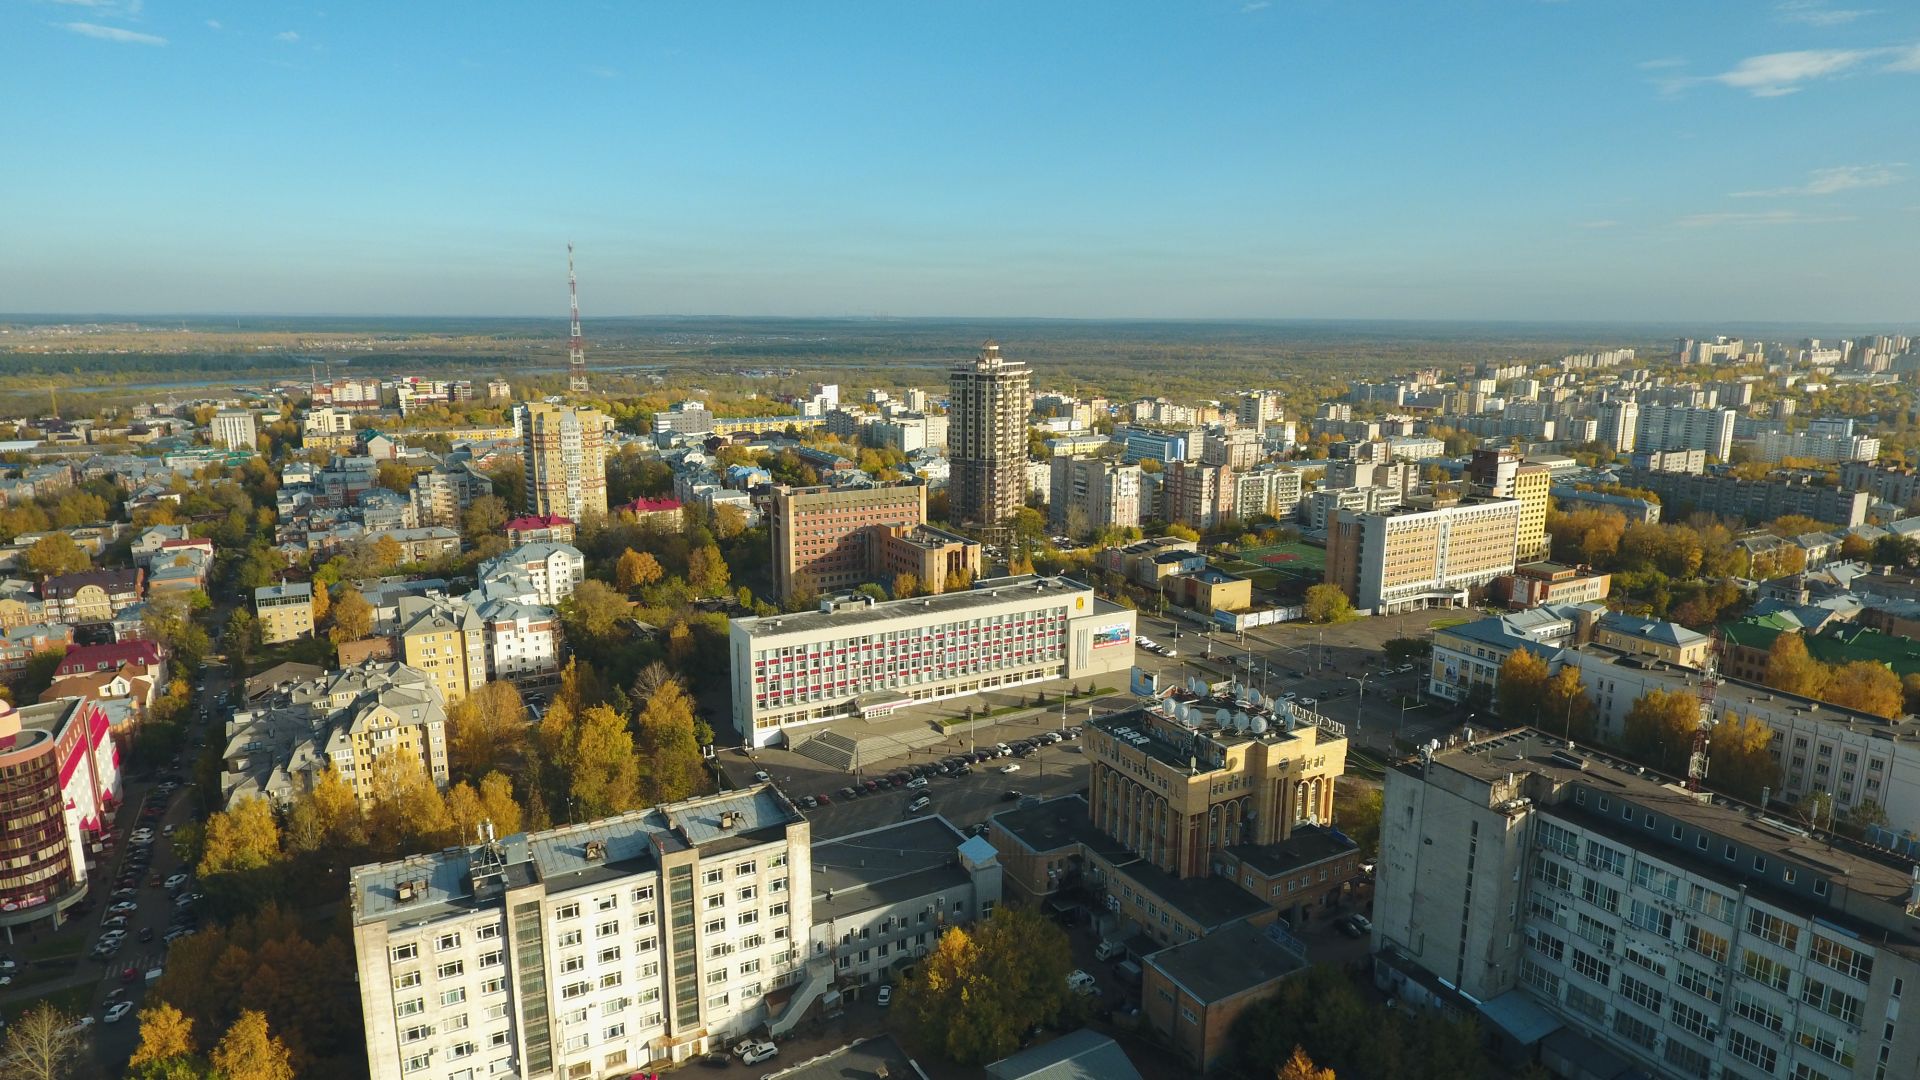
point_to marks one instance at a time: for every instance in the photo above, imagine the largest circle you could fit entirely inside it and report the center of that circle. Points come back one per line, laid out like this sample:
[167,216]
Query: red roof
[650,506]
[109,657]
[537,521]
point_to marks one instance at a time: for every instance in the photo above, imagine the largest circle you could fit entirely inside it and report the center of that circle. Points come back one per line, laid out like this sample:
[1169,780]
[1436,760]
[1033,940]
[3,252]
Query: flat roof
[885,866]
[1231,961]
[860,1058]
[1056,824]
[984,595]
[1084,1054]
[1309,844]
[1206,901]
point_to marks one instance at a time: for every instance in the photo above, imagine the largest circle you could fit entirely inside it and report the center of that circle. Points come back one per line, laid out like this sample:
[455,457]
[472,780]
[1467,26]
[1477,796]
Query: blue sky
[1478,159]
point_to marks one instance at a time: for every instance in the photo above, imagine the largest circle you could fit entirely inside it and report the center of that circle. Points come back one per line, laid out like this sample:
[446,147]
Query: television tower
[576,348]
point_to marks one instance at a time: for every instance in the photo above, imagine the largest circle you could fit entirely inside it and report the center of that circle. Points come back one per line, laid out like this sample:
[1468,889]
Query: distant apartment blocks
[1088,493]
[989,399]
[828,540]
[1754,500]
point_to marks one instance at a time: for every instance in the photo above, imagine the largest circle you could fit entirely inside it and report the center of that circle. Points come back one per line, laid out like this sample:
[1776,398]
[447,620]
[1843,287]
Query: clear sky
[1689,160]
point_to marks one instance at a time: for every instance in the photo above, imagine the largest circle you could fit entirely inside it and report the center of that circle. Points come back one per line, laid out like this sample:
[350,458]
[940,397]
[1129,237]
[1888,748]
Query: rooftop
[1078,1055]
[858,1060]
[983,595]
[1658,631]
[296,590]
[1207,902]
[1227,963]
[885,866]
[1056,824]
[1308,844]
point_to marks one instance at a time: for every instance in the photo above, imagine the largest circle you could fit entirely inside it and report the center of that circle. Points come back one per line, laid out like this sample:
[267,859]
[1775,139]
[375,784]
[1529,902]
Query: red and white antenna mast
[576,346]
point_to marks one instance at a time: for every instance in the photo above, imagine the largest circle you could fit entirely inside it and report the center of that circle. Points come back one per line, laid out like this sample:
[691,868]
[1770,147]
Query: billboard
[1117,634]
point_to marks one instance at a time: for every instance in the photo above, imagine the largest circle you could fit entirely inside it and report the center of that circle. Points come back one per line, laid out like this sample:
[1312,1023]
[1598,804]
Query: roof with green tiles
[1837,645]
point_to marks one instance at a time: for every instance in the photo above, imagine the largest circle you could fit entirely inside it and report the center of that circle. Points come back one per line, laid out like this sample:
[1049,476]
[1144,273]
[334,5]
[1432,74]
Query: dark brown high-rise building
[987,438]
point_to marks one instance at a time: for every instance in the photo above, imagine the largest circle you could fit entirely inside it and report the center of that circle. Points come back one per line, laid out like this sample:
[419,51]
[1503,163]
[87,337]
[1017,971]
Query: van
[1108,949]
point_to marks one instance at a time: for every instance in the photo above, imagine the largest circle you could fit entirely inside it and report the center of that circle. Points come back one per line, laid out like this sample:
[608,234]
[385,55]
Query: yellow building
[446,641]
[285,611]
[1422,556]
[564,452]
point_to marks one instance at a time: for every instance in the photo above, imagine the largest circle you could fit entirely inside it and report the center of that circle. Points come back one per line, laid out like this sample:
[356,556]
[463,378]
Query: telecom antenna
[576,348]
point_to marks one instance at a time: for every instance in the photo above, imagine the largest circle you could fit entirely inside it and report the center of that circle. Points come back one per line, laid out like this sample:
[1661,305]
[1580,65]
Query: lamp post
[1360,697]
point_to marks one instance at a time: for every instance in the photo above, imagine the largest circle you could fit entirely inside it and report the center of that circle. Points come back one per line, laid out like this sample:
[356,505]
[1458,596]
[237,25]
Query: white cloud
[1252,6]
[1836,179]
[286,36]
[213,24]
[1775,74]
[114,33]
[1817,13]
[1754,218]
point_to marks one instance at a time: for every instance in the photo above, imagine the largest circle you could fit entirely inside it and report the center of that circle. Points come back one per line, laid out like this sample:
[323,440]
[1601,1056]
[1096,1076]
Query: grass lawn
[70,945]
[74,1001]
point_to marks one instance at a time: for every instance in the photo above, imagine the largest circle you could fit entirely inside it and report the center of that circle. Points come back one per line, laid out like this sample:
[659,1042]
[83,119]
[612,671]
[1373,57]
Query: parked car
[917,782]
[919,804]
[117,1012]
[808,802]
[1011,795]
[176,880]
[760,776]
[885,997]
[824,799]
[759,1052]
[1010,767]
[124,907]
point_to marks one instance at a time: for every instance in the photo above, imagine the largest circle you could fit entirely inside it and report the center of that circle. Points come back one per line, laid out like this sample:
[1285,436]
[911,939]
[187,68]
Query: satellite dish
[1259,725]
[1241,721]
[1222,717]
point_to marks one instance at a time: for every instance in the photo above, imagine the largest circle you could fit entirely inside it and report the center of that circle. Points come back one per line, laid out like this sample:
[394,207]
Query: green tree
[1660,726]
[57,553]
[980,989]
[1567,704]
[1301,1067]
[388,553]
[1522,689]
[1325,603]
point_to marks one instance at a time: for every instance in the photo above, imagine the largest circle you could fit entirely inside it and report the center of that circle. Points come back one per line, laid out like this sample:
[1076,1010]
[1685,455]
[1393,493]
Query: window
[718,1001]
[643,895]
[606,903]
[715,876]
[1595,931]
[1709,902]
[406,981]
[617,1031]
[717,975]
[1835,1048]
[1602,857]
[492,959]
[493,986]
[1707,943]
[609,955]
[747,918]
[1587,1004]
[716,926]
[1831,1000]
[410,1007]
[489,932]
[747,894]
[1546,982]
[1655,880]
[445,942]
[1635,1030]
[778,885]
[1559,839]
[400,954]
[1546,944]
[746,869]
[1689,1019]
[1642,994]
[1753,1007]
[451,969]
[1772,929]
[1592,967]
[1604,897]
[574,990]
[1649,917]
[650,969]
[570,938]
[1554,874]
[776,862]
[454,996]
[571,964]
[644,918]
[1842,958]
[1687,1061]
[497,1011]
[416,1063]
[777,910]
[415,1033]
[607,929]
[1751,1050]
[716,901]
[610,979]
[1763,970]
[1695,981]
[567,911]
[1640,958]
[749,967]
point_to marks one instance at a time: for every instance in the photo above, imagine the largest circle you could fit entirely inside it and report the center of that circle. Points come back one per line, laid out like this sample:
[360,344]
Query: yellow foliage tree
[1522,689]
[1790,668]
[1868,687]
[245,837]
[636,570]
[166,1034]
[1742,764]
[249,1051]
[1301,1067]
[1660,726]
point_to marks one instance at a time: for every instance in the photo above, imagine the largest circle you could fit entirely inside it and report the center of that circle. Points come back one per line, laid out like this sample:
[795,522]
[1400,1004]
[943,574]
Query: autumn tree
[408,812]
[1742,763]
[593,612]
[1522,689]
[707,570]
[485,516]
[1567,705]
[486,730]
[166,1037]
[669,745]
[249,1051]
[1325,603]
[636,570]
[983,986]
[388,553]
[1867,686]
[352,617]
[1660,726]
[492,802]
[57,553]
[605,768]
[322,603]
[1301,1067]
[905,585]
[42,1044]
[1589,537]
[1180,532]
[1790,668]
[242,838]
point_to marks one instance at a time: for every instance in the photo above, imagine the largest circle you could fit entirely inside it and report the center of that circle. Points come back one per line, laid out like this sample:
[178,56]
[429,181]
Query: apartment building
[1503,473]
[441,495]
[564,452]
[444,639]
[554,569]
[823,538]
[92,595]
[346,720]
[538,529]
[327,428]
[1619,422]
[522,643]
[988,402]
[1776,446]
[591,950]
[1198,496]
[1602,920]
[1891,483]
[883,897]
[285,611]
[1754,500]
[931,557]
[1681,461]
[232,429]
[857,658]
[1678,427]
[1274,492]
[1089,493]
[1634,509]
[1414,557]
[62,783]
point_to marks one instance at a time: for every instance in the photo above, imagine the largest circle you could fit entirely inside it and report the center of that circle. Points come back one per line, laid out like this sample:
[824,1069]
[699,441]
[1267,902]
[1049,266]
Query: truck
[1129,972]
[1109,948]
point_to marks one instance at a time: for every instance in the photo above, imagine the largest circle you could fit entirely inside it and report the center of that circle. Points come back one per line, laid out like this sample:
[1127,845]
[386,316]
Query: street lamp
[1360,697]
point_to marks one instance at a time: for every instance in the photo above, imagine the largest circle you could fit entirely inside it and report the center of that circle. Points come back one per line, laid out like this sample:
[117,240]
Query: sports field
[1294,559]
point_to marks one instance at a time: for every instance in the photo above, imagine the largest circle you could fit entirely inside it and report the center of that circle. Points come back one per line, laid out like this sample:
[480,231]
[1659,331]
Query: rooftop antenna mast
[576,348]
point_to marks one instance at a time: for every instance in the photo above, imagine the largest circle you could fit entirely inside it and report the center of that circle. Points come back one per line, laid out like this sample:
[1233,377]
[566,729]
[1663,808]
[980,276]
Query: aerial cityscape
[1251,538]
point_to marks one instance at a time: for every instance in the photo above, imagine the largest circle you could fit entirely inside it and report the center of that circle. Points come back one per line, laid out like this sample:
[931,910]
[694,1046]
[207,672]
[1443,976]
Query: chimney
[726,819]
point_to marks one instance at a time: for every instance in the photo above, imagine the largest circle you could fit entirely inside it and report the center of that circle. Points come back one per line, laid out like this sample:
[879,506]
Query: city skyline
[1526,161]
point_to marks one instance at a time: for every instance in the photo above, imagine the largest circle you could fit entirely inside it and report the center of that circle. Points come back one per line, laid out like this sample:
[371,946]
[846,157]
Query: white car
[919,804]
[176,881]
[142,835]
[124,907]
[1010,767]
[761,777]
[758,1053]
[917,782]
[885,997]
[117,1012]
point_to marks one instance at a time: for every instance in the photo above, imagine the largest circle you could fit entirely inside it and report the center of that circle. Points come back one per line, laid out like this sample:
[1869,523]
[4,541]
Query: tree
[905,585]
[1522,689]
[486,730]
[41,1044]
[1403,650]
[670,745]
[1867,686]
[606,771]
[1566,703]
[1181,532]
[1301,1067]
[322,603]
[492,802]
[242,838]
[636,570]
[485,516]
[1660,726]
[1325,603]
[408,813]
[707,570]
[352,617]
[248,1051]
[241,636]
[387,553]
[1791,669]
[981,988]
[593,612]
[1742,763]
[57,553]
[166,1035]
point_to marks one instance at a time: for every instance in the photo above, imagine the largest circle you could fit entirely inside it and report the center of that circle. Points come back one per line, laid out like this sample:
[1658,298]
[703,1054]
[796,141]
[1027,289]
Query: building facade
[1089,493]
[285,611]
[1414,558]
[989,399]
[59,781]
[1198,496]
[232,429]
[554,569]
[564,453]
[861,658]
[823,538]
[92,595]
